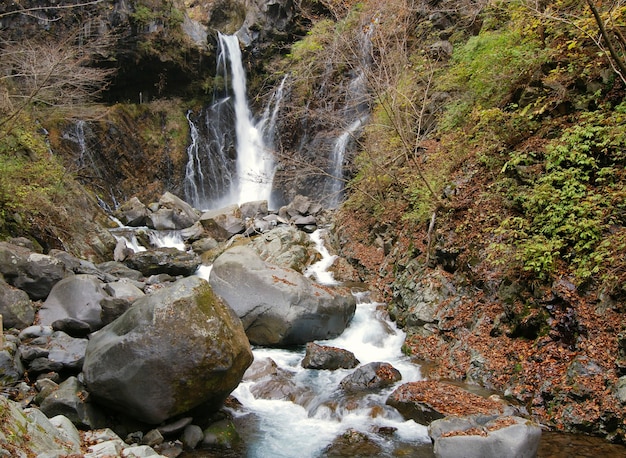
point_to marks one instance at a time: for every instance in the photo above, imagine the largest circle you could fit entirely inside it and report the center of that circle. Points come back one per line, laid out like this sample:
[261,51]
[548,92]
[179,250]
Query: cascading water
[227,165]
[306,426]
[355,112]
[267,124]
[81,134]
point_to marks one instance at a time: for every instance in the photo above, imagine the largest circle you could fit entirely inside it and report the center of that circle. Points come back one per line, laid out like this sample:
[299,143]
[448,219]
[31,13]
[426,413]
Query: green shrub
[568,210]
[31,179]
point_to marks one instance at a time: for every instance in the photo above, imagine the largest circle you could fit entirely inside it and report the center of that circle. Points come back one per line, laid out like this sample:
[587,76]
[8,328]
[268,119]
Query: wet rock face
[172,351]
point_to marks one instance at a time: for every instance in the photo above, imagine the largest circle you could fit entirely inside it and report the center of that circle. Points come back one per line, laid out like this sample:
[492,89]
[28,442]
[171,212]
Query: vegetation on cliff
[494,162]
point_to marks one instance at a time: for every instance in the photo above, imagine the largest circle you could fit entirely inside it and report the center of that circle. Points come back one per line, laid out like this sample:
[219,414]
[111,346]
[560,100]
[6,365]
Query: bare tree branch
[29,11]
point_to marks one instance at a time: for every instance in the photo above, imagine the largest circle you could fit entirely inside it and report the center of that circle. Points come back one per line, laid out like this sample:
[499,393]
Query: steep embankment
[488,202]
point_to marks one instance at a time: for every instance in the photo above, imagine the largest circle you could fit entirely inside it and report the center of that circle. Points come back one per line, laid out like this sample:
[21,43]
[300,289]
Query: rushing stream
[318,411]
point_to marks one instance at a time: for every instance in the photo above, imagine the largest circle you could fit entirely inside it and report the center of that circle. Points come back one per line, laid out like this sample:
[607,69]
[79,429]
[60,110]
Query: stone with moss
[175,350]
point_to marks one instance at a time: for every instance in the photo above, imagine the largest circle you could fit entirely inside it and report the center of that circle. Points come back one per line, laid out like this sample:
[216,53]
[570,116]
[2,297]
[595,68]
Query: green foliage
[31,179]
[163,13]
[485,70]
[314,42]
[567,211]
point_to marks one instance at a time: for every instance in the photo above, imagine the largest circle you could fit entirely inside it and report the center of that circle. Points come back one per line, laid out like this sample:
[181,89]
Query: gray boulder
[193,233]
[80,266]
[133,213]
[174,350]
[164,260]
[72,401]
[124,289]
[67,350]
[255,209]
[119,270]
[183,215]
[11,368]
[31,435]
[223,223]
[32,272]
[286,246]
[481,436]
[76,297]
[279,306]
[162,220]
[192,436]
[203,245]
[15,307]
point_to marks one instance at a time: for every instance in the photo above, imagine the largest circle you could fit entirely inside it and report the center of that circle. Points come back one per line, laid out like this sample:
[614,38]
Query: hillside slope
[488,201]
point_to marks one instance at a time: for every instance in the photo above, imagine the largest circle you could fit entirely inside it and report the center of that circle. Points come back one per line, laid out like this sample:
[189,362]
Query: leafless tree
[52,73]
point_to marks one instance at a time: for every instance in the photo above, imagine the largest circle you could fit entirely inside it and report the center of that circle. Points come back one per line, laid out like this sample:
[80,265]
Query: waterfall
[78,136]
[210,174]
[355,112]
[228,165]
[194,184]
[87,161]
[267,124]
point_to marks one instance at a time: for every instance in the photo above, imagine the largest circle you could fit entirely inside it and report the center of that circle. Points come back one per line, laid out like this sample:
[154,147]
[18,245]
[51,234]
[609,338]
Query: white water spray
[305,427]
[255,166]
[230,156]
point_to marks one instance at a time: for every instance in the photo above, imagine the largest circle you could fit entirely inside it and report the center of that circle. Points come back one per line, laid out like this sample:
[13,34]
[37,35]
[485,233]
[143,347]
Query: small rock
[152,438]
[192,435]
[371,376]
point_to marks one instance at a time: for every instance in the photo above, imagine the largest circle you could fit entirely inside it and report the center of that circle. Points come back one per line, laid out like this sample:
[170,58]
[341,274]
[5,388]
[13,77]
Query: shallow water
[559,445]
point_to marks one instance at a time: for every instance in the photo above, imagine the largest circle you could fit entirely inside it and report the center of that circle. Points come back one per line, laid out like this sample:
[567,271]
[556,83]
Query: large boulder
[29,271]
[23,435]
[279,306]
[76,297]
[480,436]
[133,213]
[255,209]
[182,214]
[15,307]
[174,350]
[165,260]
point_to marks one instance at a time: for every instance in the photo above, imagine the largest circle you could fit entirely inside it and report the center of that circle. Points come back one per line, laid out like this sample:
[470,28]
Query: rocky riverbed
[137,355]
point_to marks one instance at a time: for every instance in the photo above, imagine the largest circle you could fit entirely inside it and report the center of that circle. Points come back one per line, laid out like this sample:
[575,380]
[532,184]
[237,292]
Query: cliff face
[158,48]
[156,61]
